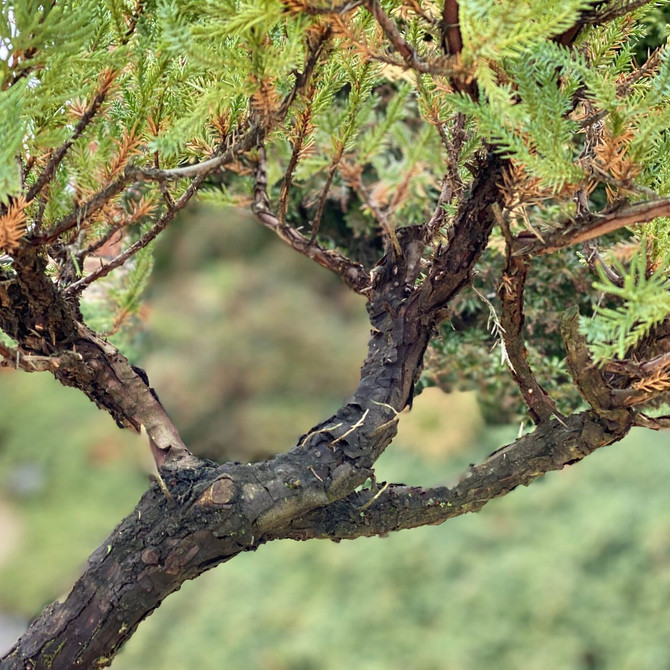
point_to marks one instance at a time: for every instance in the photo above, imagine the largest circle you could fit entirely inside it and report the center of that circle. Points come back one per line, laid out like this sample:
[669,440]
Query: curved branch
[591,226]
[511,291]
[549,447]
[353,274]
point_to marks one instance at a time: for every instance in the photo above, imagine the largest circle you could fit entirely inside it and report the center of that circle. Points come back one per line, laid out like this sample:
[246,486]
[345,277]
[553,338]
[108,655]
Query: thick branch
[468,236]
[222,512]
[551,446]
[49,333]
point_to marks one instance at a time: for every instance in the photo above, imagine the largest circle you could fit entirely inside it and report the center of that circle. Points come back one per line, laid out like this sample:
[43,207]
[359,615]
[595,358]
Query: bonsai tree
[482,173]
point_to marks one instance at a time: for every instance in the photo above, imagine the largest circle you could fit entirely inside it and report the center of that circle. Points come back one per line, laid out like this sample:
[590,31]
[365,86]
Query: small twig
[148,237]
[358,424]
[81,213]
[595,260]
[313,471]
[292,164]
[353,177]
[452,184]
[344,8]
[316,221]
[106,79]
[399,43]
[592,226]
[597,17]
[375,497]
[327,429]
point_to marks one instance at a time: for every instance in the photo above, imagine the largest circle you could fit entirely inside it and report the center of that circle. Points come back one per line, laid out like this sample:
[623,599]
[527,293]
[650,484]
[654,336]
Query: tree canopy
[492,177]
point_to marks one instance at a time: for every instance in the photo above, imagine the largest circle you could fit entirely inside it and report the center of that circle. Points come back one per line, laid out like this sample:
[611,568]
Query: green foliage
[614,331]
[11,128]
[495,30]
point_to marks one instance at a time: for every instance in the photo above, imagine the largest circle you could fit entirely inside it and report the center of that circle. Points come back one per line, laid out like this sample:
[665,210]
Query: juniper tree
[482,173]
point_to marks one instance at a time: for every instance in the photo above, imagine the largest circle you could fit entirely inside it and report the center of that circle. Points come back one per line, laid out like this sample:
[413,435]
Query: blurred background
[248,346]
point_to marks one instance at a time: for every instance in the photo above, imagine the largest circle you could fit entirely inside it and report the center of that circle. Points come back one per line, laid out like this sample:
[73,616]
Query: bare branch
[148,237]
[353,274]
[511,290]
[552,446]
[591,226]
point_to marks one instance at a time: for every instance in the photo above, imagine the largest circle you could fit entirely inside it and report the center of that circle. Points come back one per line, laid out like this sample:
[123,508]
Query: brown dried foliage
[128,146]
[13,224]
[612,160]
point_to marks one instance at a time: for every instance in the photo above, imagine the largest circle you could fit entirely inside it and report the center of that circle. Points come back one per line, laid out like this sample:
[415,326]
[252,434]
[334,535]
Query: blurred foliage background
[248,346]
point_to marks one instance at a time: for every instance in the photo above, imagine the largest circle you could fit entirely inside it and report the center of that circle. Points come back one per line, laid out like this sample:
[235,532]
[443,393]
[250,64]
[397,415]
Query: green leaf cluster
[644,303]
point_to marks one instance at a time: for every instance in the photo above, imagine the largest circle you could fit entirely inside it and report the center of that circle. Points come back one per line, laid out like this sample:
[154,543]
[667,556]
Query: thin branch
[452,184]
[82,254]
[592,226]
[148,237]
[314,10]
[541,407]
[200,170]
[400,44]
[597,17]
[595,261]
[323,196]
[354,178]
[81,213]
[292,164]
[353,274]
[106,79]
[652,422]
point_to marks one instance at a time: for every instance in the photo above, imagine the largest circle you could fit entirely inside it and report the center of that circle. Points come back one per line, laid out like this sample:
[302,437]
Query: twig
[327,429]
[592,226]
[374,497]
[200,170]
[106,79]
[81,213]
[357,425]
[313,10]
[596,17]
[399,43]
[353,274]
[353,177]
[148,237]
[595,260]
[451,183]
